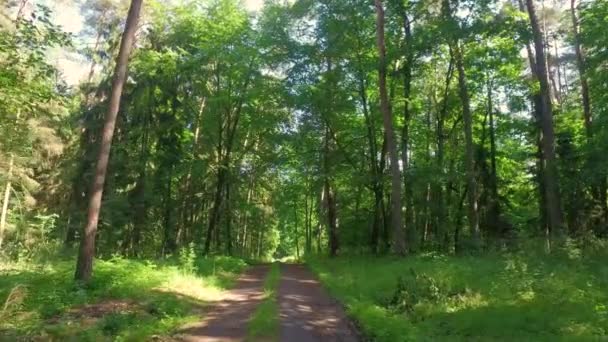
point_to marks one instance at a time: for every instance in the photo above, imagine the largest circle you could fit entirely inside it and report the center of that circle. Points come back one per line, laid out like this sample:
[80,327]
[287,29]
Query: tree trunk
[215,211]
[295,217]
[580,63]
[553,198]
[169,243]
[330,201]
[405,136]
[84,265]
[228,218]
[399,243]
[472,213]
[494,203]
[7,198]
[376,183]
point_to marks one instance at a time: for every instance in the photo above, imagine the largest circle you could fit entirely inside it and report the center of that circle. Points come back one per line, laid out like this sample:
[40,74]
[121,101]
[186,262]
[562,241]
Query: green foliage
[130,300]
[264,324]
[498,297]
[187,258]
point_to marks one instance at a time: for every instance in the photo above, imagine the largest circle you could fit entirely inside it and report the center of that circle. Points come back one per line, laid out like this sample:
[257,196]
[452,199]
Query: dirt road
[227,320]
[306,312]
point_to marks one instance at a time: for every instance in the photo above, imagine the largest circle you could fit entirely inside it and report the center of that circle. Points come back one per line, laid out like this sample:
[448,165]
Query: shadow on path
[307,312]
[227,320]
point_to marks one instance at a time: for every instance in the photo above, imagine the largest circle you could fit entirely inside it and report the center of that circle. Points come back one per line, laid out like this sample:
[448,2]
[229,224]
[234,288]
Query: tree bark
[84,265]
[295,217]
[580,63]
[7,198]
[550,173]
[376,182]
[440,202]
[399,243]
[330,201]
[405,135]
[472,213]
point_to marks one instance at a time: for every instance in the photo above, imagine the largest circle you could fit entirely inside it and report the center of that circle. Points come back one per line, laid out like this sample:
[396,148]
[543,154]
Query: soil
[227,320]
[307,312]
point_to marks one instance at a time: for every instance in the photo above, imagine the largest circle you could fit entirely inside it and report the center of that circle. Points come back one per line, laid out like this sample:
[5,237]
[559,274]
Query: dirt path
[227,320]
[307,313]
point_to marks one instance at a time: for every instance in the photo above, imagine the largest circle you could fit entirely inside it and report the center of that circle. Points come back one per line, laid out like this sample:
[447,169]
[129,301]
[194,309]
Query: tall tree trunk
[215,211]
[295,217]
[7,198]
[169,243]
[580,63]
[440,202]
[84,265]
[330,201]
[494,205]
[600,189]
[376,183]
[399,243]
[228,220]
[553,197]
[306,226]
[472,213]
[405,136]
[537,114]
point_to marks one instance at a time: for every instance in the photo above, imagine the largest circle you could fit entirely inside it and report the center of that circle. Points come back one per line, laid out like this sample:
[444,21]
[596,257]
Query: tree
[399,244]
[550,175]
[84,266]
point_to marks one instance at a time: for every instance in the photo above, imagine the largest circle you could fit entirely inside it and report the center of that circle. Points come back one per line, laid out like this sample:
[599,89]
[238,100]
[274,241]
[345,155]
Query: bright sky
[67,14]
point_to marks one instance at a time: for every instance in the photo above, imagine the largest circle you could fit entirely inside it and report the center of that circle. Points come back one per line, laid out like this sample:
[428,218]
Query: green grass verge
[512,297]
[127,300]
[264,324]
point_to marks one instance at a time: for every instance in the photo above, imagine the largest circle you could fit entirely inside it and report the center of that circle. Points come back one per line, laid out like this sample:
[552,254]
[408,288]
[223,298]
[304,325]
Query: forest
[436,166]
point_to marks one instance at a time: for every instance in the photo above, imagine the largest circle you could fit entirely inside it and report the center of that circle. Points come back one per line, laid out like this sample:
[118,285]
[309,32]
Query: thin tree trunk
[494,205]
[170,243]
[405,136]
[580,63]
[472,213]
[399,243]
[295,214]
[330,201]
[441,210]
[215,211]
[374,167]
[7,197]
[228,220]
[84,265]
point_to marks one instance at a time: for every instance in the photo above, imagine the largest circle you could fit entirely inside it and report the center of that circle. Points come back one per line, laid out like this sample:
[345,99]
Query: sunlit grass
[127,299]
[264,324]
[510,297]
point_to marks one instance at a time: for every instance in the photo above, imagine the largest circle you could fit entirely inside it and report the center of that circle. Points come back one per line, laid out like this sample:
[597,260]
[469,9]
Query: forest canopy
[293,128]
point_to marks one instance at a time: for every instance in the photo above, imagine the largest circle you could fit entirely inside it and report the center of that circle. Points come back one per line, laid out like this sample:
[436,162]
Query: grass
[127,300]
[510,297]
[264,324]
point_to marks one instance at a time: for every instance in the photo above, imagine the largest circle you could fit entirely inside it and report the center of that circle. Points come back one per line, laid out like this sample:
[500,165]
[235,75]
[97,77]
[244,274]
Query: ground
[517,296]
[504,297]
[306,312]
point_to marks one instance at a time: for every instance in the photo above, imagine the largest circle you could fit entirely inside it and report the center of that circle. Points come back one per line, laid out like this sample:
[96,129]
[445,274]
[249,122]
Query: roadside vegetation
[264,324]
[520,296]
[127,300]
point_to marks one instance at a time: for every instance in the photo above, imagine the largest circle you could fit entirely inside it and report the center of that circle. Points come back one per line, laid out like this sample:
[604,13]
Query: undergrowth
[127,300]
[504,297]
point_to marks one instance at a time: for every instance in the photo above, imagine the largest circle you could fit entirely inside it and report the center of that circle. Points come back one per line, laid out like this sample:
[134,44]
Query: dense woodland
[400,128]
[326,126]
